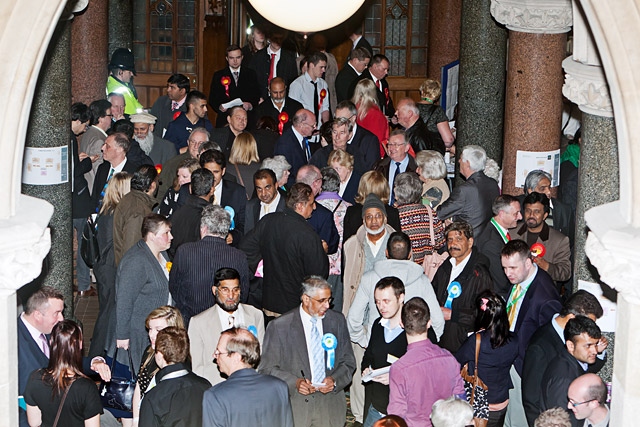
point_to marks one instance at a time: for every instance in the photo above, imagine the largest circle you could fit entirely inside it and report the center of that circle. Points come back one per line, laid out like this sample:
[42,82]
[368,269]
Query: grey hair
[534,178]
[492,170]
[201,130]
[342,121]
[431,164]
[216,220]
[278,164]
[209,145]
[451,412]
[330,179]
[410,105]
[346,104]
[407,188]
[312,284]
[308,174]
[476,156]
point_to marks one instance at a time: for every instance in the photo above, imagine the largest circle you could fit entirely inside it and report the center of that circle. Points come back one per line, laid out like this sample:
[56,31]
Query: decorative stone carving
[586,86]
[528,16]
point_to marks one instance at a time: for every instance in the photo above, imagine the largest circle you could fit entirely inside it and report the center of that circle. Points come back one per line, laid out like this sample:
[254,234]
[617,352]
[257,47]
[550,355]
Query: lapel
[156,269]
[34,348]
[526,302]
[296,334]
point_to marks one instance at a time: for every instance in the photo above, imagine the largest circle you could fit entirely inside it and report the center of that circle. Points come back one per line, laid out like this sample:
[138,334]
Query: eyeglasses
[229,290]
[574,404]
[312,126]
[217,353]
[323,300]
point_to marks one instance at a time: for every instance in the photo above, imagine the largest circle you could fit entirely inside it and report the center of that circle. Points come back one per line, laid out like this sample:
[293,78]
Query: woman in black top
[63,379]
[498,350]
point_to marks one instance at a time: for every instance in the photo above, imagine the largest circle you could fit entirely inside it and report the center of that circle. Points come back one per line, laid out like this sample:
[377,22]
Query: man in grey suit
[237,355]
[160,150]
[313,357]
[206,327]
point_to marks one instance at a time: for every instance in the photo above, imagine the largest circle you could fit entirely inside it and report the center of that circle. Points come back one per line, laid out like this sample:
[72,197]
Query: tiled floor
[86,312]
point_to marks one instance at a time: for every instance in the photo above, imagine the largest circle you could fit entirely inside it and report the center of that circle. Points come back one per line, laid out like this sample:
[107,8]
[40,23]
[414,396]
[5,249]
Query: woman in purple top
[498,350]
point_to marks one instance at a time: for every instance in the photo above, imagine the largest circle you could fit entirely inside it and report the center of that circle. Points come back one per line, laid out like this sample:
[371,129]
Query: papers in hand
[233,103]
[375,373]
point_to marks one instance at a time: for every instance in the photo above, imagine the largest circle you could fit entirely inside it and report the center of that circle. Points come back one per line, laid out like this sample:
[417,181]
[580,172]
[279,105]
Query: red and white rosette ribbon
[158,168]
[386,94]
[226,81]
[538,250]
[323,95]
[282,119]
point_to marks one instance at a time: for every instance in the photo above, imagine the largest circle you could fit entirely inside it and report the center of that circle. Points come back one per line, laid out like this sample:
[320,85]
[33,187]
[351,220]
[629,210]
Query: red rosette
[226,81]
[386,93]
[176,114]
[282,119]
[159,168]
[538,250]
[323,95]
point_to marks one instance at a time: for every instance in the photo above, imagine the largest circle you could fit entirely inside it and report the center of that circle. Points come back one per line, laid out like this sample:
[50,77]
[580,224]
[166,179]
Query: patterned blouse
[335,204]
[415,222]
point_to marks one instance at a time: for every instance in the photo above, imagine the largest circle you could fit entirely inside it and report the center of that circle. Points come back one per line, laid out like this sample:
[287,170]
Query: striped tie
[104,190]
[511,307]
[317,353]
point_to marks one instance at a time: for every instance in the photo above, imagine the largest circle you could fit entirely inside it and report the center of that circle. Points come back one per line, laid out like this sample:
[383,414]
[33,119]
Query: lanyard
[504,235]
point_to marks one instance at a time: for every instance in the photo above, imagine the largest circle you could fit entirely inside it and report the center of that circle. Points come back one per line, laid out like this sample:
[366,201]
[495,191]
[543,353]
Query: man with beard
[160,150]
[178,131]
[277,103]
[268,198]
[205,328]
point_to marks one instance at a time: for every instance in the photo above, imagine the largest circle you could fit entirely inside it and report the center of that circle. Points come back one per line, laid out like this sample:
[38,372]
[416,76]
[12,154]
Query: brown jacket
[127,221]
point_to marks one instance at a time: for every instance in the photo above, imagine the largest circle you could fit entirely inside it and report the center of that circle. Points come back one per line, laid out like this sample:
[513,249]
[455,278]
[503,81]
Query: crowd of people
[305,246]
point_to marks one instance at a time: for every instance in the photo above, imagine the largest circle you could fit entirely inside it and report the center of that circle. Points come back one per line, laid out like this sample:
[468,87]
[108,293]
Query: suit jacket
[30,356]
[384,97]
[101,178]
[252,214]
[81,201]
[162,110]
[490,243]
[204,332]
[564,217]
[289,146]
[291,107]
[266,140]
[538,306]
[286,68]
[345,77]
[285,355]
[367,144]
[351,189]
[322,222]
[556,380]
[186,223]
[246,89]
[463,308]
[268,395]
[234,195]
[472,202]
[364,43]
[161,151]
[321,158]
[558,251]
[383,166]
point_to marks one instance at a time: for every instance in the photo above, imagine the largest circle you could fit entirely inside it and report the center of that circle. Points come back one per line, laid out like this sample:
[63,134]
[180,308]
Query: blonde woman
[433,115]
[244,161]
[369,115]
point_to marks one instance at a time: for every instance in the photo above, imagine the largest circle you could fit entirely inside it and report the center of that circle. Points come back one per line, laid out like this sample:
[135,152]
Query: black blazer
[490,243]
[562,370]
[287,68]
[266,109]
[420,139]
[323,223]
[234,195]
[383,166]
[252,214]
[351,189]
[224,137]
[81,202]
[321,158]
[345,77]
[289,146]
[384,97]
[368,145]
[247,90]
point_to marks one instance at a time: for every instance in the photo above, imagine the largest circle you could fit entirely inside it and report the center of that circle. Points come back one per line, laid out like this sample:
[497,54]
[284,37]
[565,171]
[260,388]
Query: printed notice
[527,161]
[46,166]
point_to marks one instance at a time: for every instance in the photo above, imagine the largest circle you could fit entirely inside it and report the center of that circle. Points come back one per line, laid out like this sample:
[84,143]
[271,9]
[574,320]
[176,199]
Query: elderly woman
[244,160]
[371,182]
[183,176]
[342,162]
[369,115]
[432,171]
[279,165]
[418,221]
[142,285]
[341,131]
[433,115]
[61,394]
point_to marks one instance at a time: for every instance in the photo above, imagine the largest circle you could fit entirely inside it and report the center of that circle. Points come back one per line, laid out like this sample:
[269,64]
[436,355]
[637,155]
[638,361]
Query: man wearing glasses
[399,160]
[294,142]
[587,397]
[228,312]
[309,349]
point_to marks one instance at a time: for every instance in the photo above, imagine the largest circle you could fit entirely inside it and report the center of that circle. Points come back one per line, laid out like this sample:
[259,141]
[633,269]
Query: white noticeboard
[46,166]
[449,80]
[527,161]
[607,322]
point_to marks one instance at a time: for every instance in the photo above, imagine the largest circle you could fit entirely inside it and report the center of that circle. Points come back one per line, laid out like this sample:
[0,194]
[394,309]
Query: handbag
[118,393]
[476,390]
[90,250]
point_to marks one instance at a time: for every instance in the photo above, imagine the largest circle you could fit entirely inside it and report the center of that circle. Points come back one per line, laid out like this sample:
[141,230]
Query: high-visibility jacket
[132,105]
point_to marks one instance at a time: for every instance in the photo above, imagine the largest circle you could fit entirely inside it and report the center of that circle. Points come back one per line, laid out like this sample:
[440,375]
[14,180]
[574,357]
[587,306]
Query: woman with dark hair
[498,350]
[62,387]
[390,421]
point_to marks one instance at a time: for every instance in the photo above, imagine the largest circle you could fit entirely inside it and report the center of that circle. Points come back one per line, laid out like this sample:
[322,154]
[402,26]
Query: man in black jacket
[274,61]
[416,130]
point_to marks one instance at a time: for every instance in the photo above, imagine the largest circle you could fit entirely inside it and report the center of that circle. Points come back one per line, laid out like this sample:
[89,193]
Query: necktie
[392,199]
[379,85]
[235,77]
[265,209]
[44,344]
[272,67]
[231,321]
[307,150]
[317,353]
[508,237]
[174,105]
[104,190]
[315,98]
[511,308]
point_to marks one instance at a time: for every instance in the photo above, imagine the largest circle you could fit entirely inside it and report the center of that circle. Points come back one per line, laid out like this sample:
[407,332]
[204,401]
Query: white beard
[146,143]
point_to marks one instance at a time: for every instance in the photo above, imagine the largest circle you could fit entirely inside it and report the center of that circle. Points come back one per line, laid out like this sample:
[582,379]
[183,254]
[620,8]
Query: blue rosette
[232,214]
[329,344]
[454,291]
[253,330]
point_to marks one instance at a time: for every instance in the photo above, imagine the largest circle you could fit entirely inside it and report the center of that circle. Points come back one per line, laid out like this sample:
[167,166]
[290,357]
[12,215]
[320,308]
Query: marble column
[120,25]
[533,104]
[444,35]
[89,56]
[49,128]
[483,51]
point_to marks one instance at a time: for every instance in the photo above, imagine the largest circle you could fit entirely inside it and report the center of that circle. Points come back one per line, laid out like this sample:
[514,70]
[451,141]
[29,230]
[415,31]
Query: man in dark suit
[398,148]
[358,62]
[114,152]
[268,198]
[532,302]
[277,103]
[361,141]
[472,200]
[581,336]
[237,356]
[224,136]
[231,83]
[226,193]
[274,61]
[359,42]
[548,342]
[316,379]
[377,72]
[293,144]
[506,214]
[168,106]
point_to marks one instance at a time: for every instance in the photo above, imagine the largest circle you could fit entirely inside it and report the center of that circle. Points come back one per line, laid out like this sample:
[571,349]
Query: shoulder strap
[64,397]
[475,368]
[239,175]
[337,206]
[431,232]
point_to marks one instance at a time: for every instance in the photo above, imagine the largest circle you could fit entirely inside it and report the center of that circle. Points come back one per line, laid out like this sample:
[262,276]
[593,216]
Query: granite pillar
[444,35]
[49,127]
[120,25]
[483,51]
[89,56]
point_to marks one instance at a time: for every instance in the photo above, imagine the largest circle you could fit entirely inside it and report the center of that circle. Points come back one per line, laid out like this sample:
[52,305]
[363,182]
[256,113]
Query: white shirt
[375,247]
[300,139]
[225,321]
[355,42]
[217,194]
[271,207]
[35,333]
[306,324]
[525,287]
[353,134]
[281,106]
[354,68]
[457,268]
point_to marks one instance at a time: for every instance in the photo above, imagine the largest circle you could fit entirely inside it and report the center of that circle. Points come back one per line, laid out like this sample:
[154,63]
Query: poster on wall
[46,166]
[527,161]
[449,78]
[607,322]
